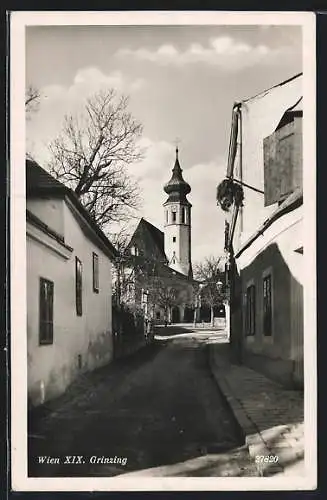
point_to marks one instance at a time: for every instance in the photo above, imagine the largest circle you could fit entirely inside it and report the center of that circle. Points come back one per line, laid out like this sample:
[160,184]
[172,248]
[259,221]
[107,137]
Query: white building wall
[260,117]
[50,211]
[287,234]
[51,368]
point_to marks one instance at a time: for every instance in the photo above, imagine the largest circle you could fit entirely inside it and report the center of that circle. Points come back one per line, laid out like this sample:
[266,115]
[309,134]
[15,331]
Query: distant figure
[166,323]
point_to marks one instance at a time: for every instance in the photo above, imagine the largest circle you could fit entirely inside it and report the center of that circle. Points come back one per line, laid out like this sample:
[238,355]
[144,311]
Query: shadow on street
[158,412]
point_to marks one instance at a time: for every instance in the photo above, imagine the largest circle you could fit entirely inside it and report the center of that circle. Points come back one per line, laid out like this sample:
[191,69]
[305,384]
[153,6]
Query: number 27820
[259,459]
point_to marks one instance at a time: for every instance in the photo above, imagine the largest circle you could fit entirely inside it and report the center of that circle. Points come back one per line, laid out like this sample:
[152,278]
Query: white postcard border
[20,481]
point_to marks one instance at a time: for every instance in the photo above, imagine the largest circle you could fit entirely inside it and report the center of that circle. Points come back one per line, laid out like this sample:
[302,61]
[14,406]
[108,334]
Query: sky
[182,82]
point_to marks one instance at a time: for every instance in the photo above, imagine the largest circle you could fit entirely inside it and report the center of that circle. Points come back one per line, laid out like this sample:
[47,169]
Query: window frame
[46,325]
[250,309]
[174,216]
[78,286]
[267,273]
[95,272]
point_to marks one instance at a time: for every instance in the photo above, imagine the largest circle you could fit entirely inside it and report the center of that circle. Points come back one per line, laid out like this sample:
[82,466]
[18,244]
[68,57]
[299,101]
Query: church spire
[178,221]
[177,188]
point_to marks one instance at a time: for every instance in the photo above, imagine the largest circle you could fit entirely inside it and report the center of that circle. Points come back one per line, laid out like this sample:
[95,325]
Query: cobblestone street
[160,410]
[272,417]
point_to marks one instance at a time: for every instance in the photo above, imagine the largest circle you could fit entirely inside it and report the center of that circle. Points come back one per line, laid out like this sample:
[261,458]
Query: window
[174,239]
[267,306]
[183,215]
[79,284]
[174,216]
[166,216]
[250,311]
[134,250]
[46,312]
[95,273]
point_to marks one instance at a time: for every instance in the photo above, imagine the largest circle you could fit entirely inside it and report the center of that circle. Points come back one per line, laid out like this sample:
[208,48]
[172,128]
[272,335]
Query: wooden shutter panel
[46,312]
[271,172]
[285,159]
[282,152]
[78,279]
[50,312]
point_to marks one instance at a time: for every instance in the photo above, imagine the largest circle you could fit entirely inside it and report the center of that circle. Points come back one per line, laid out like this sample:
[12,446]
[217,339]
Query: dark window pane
[46,312]
[250,311]
[267,306]
[79,284]
[95,272]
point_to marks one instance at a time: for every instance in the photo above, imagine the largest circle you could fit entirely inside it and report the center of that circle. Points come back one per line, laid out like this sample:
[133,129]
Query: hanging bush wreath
[229,192]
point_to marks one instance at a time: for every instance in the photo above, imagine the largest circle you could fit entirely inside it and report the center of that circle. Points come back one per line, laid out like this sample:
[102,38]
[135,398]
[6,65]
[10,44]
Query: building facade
[264,238]
[69,288]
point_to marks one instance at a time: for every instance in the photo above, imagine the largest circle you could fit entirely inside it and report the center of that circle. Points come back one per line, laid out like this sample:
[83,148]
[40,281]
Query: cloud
[60,100]
[207,219]
[86,82]
[224,51]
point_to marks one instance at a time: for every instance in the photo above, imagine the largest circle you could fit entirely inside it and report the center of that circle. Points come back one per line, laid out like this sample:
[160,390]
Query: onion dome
[176,187]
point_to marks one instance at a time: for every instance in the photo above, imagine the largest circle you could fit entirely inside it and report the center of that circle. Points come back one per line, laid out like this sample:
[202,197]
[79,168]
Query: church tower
[177,222]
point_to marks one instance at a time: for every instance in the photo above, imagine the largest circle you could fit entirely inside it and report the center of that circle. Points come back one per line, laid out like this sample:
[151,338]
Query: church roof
[177,188]
[149,240]
[157,235]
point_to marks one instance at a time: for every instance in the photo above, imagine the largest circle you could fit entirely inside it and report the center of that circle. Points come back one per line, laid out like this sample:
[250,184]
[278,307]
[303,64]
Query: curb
[253,440]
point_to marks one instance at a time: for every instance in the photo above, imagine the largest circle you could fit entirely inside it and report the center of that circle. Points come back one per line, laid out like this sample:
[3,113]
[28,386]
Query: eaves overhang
[294,201]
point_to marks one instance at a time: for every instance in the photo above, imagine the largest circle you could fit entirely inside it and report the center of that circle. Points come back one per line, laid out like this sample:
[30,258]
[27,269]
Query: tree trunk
[194,317]
[211,314]
[227,319]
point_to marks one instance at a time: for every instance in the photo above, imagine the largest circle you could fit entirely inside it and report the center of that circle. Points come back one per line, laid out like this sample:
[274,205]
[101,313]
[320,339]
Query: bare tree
[211,275]
[92,154]
[32,100]
[165,296]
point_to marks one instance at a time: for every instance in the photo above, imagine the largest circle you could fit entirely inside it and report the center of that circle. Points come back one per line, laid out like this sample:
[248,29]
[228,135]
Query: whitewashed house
[69,287]
[264,238]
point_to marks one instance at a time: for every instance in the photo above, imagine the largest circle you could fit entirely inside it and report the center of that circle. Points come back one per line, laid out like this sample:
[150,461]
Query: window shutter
[46,312]
[282,152]
[271,173]
[50,312]
[285,160]
[95,272]
[79,285]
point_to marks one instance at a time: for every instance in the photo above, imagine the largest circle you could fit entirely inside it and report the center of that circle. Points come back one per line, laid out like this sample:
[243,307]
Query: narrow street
[160,410]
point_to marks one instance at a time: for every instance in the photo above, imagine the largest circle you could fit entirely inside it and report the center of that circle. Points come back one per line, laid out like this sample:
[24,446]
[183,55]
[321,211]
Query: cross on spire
[177,141]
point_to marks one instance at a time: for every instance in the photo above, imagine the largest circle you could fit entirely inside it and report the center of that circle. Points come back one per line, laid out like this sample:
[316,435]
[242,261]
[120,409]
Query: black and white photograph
[163,306]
